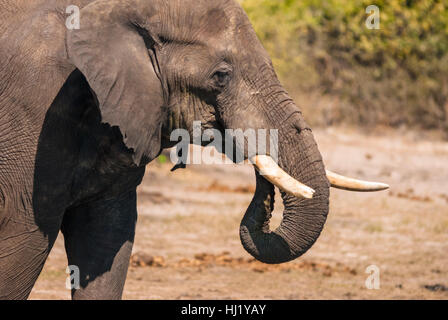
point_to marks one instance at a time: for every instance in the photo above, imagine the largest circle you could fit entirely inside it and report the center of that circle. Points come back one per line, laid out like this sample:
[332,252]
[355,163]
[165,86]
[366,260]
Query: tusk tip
[383,186]
[350,184]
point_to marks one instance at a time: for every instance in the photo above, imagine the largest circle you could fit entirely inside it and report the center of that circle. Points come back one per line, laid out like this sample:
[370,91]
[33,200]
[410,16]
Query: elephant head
[159,65]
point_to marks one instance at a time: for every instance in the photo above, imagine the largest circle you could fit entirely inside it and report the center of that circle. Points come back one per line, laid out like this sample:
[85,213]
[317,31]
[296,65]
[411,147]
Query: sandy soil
[187,244]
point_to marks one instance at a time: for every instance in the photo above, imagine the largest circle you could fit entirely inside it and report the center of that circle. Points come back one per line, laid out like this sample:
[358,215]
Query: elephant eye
[221,78]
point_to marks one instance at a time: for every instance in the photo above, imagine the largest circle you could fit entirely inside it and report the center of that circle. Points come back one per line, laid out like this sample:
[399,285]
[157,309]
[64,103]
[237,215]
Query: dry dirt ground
[187,244]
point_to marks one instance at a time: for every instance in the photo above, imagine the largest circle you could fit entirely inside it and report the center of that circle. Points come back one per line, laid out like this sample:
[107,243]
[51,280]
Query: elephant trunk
[303,219]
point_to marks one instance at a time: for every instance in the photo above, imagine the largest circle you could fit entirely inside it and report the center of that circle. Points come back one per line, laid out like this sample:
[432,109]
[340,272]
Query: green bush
[397,75]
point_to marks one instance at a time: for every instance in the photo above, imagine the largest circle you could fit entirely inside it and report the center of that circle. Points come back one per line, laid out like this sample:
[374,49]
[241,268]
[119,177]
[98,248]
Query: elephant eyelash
[221,78]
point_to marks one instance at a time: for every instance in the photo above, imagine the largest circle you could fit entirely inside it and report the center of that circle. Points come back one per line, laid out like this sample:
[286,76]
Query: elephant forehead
[224,22]
[203,20]
[215,21]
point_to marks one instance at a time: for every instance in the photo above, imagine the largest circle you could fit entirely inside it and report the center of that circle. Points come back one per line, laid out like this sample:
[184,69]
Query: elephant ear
[109,49]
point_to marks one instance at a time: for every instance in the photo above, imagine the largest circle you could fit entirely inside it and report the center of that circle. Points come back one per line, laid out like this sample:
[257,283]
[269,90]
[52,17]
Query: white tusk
[350,184]
[270,170]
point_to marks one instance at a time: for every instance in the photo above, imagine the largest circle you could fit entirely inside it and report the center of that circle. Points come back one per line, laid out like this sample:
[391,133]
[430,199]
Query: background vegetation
[339,71]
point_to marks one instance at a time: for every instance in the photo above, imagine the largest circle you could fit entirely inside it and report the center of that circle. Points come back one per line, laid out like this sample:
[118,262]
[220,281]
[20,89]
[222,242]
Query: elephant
[84,110]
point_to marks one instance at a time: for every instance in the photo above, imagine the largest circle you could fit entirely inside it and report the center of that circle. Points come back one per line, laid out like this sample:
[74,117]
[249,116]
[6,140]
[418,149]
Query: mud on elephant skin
[83,111]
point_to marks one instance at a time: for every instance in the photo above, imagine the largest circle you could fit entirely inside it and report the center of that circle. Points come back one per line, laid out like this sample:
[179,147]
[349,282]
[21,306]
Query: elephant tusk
[350,184]
[270,170]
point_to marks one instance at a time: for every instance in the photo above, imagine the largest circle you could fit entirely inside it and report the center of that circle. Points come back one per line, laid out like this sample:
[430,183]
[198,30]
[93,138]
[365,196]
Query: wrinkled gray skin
[82,112]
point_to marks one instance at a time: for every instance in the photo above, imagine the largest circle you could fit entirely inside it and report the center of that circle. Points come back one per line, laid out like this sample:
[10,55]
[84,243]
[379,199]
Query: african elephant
[84,110]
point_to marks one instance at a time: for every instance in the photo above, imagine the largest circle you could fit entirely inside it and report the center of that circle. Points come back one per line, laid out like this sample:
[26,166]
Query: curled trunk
[303,219]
